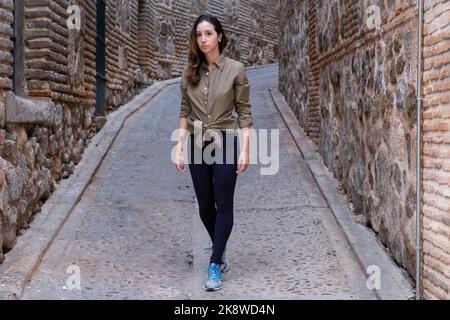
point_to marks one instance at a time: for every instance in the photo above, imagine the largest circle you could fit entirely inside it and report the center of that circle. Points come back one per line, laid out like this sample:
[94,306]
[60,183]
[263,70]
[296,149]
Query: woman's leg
[224,185]
[202,178]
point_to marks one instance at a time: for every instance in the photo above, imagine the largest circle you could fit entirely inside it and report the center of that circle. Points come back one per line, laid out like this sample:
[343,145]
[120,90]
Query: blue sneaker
[215,278]
[225,266]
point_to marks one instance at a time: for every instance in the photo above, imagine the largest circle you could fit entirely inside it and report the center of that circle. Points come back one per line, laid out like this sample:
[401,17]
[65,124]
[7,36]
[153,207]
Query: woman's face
[207,37]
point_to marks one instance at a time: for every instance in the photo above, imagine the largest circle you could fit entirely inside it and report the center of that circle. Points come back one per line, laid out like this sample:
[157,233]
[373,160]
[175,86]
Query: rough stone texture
[20,110]
[436,155]
[294,63]
[145,40]
[360,96]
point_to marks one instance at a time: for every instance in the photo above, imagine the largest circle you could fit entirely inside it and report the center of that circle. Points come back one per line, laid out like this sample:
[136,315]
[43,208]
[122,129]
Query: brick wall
[312,116]
[436,151]
[6,58]
[361,106]
[121,51]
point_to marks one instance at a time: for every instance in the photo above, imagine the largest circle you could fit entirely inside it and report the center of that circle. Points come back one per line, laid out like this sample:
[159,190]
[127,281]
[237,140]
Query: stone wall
[293,63]
[47,122]
[6,59]
[436,151]
[360,105]
[44,128]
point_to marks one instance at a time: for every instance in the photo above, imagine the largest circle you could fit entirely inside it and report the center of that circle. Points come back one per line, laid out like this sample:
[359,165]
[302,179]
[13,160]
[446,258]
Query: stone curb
[395,284]
[20,263]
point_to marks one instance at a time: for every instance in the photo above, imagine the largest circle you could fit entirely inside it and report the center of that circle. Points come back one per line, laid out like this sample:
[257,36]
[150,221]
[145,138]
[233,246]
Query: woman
[212,87]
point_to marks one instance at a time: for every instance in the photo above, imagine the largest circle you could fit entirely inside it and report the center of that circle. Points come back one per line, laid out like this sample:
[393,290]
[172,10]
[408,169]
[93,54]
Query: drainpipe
[419,249]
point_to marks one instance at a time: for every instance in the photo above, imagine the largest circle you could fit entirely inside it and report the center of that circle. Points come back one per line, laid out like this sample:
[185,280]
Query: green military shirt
[222,90]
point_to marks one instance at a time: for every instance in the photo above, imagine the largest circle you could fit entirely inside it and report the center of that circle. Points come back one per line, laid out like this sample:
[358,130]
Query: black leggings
[214,186]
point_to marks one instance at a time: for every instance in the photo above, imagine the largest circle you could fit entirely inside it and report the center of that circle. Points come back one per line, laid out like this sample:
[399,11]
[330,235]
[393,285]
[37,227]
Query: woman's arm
[242,99]
[182,132]
[244,156]
[245,119]
[246,137]
[185,110]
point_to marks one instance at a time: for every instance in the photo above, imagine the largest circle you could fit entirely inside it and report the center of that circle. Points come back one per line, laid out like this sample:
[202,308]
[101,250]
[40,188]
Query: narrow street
[136,233]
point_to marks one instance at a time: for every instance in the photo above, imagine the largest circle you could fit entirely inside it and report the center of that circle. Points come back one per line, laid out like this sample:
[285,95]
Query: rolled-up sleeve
[185,108]
[242,98]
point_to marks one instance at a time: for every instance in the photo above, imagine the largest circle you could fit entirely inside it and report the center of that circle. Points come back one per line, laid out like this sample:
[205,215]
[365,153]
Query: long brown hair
[196,58]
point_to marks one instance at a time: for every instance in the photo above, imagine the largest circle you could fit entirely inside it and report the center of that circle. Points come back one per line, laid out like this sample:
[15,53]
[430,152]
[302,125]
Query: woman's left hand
[243,161]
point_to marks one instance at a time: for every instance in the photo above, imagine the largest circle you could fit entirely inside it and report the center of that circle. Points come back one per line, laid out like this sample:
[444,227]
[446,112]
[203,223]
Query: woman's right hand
[180,160]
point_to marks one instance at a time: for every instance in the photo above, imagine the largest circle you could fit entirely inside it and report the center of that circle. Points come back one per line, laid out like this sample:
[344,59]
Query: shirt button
[206,88]
[209,116]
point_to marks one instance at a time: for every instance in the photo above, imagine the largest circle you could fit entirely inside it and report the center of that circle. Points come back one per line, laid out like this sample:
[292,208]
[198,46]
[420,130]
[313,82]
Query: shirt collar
[220,61]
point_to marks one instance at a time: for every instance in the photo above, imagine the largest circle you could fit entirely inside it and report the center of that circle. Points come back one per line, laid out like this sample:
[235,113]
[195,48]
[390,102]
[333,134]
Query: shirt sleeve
[185,108]
[242,102]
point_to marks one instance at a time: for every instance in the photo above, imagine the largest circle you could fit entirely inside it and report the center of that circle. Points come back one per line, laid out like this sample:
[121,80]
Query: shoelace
[205,250]
[214,272]
[210,248]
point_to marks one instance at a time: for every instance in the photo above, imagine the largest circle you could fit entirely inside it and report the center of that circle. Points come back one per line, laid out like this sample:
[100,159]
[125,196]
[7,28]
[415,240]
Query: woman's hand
[244,156]
[182,132]
[180,159]
[243,162]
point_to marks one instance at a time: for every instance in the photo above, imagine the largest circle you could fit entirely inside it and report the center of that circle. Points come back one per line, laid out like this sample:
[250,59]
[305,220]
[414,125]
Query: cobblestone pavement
[136,233]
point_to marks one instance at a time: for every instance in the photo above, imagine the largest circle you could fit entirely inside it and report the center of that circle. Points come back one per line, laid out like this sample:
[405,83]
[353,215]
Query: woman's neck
[210,59]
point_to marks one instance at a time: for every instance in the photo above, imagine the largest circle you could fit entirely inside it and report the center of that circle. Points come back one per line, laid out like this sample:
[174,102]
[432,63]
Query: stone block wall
[45,126]
[293,63]
[6,58]
[357,103]
[44,129]
[436,151]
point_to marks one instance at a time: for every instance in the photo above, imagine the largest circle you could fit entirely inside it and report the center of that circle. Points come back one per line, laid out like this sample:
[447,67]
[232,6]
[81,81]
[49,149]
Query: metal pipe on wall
[419,249]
